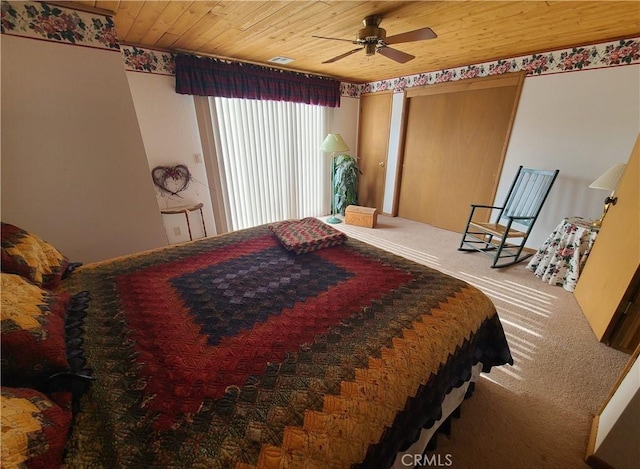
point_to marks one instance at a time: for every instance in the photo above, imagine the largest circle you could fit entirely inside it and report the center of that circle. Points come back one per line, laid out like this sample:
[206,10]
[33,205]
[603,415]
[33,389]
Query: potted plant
[345,182]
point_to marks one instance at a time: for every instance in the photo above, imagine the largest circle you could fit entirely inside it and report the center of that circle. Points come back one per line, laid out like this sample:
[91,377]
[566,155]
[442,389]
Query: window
[269,158]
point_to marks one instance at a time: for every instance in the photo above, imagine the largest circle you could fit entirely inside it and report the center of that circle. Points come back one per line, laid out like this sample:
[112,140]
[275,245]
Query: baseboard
[592,460]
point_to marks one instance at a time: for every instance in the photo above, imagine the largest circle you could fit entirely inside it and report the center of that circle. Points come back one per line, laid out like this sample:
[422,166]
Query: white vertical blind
[270,160]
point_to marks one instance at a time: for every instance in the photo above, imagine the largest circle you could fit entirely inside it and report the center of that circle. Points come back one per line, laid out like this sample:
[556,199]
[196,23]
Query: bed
[262,349]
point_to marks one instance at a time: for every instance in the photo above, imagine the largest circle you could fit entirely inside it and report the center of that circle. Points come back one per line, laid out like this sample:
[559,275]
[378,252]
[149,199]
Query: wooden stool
[186,209]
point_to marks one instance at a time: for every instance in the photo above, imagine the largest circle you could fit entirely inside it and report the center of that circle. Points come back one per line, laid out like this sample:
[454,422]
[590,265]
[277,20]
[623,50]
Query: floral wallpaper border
[137,59]
[43,21]
[623,52]
[52,23]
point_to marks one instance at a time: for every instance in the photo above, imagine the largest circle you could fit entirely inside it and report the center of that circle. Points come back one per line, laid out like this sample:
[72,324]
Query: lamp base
[333,220]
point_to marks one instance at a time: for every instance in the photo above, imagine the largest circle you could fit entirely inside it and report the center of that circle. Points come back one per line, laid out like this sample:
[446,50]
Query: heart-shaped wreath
[171,179]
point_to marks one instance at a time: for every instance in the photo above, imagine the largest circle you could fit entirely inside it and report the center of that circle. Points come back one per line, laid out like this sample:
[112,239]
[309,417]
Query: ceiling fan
[374,39]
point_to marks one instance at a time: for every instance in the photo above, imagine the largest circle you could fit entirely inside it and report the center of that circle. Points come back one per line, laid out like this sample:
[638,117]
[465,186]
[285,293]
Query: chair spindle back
[527,194]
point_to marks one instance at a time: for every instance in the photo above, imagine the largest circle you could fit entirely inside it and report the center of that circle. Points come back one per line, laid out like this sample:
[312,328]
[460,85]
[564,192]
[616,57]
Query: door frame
[379,203]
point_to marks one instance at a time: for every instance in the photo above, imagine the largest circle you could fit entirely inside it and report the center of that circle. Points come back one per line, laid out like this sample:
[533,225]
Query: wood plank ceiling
[468,31]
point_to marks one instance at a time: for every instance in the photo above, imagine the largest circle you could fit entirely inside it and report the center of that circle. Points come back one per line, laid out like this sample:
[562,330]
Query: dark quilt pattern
[232,352]
[248,289]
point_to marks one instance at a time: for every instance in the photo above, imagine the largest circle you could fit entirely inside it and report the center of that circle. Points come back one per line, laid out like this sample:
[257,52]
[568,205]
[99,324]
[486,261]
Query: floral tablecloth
[562,256]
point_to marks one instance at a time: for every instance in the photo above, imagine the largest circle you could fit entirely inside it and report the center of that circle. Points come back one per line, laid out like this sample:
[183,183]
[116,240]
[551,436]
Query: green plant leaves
[345,182]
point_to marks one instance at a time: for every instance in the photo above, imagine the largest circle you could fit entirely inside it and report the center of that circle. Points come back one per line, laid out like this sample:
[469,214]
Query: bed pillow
[33,333]
[306,235]
[26,254]
[34,429]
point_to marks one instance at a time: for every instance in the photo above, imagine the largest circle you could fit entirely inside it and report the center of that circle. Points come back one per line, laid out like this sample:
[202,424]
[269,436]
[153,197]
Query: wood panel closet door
[455,142]
[373,144]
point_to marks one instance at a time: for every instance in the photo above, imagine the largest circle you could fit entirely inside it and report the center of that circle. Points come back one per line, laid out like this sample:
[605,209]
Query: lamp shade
[610,179]
[333,143]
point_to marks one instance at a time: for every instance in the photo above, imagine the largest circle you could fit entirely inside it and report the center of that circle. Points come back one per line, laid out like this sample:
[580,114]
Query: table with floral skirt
[562,256]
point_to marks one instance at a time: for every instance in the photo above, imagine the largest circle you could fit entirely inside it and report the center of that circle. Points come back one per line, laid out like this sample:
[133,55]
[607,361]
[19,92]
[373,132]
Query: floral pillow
[306,235]
[33,334]
[34,429]
[26,254]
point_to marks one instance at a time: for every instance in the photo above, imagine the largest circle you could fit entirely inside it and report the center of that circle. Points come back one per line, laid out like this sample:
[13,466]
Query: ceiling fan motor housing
[371,33]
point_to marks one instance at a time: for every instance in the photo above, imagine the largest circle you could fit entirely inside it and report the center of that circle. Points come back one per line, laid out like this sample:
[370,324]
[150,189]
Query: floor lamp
[333,144]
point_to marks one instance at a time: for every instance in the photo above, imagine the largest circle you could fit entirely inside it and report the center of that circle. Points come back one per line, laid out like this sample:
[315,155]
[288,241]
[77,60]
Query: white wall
[170,133]
[617,439]
[74,169]
[580,123]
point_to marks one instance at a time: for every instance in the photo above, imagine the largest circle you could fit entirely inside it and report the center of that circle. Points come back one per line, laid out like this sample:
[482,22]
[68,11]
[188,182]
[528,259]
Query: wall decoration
[623,52]
[171,179]
[137,59]
[57,24]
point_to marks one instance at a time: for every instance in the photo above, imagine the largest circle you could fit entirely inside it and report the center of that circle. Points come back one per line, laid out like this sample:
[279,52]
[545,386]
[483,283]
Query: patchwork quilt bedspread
[232,352]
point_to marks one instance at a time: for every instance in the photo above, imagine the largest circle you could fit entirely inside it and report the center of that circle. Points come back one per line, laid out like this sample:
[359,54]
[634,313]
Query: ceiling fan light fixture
[370,49]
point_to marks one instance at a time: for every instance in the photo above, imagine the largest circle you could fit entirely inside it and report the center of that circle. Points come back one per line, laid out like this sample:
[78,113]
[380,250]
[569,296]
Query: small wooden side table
[186,209]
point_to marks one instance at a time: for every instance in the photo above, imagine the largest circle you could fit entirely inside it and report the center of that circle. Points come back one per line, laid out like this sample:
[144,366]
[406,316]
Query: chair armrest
[480,206]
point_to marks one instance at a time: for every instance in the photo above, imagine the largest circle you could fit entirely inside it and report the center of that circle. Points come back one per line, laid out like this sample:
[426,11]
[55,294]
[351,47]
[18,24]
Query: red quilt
[234,352]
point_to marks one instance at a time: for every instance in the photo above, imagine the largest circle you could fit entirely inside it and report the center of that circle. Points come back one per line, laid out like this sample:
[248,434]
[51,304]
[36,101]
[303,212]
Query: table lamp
[608,181]
[333,144]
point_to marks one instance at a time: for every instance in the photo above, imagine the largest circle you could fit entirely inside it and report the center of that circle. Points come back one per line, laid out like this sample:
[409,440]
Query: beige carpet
[538,413]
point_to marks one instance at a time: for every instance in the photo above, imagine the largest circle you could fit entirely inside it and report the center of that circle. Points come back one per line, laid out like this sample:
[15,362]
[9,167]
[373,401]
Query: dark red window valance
[204,76]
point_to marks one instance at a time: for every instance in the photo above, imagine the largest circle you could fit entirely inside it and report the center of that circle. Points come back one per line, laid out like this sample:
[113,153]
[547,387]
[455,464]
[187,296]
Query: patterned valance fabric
[203,76]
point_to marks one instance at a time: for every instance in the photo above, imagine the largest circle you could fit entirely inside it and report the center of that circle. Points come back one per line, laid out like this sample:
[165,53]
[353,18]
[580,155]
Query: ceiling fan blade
[342,56]
[394,54]
[410,36]
[335,39]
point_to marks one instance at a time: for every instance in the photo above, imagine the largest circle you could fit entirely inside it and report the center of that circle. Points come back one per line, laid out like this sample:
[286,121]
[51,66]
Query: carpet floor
[537,413]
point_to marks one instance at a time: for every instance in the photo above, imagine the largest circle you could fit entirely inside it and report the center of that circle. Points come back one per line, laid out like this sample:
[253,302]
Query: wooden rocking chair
[522,206]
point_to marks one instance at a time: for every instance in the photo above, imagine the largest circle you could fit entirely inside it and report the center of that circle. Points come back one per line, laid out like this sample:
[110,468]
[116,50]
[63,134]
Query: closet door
[455,142]
[373,143]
